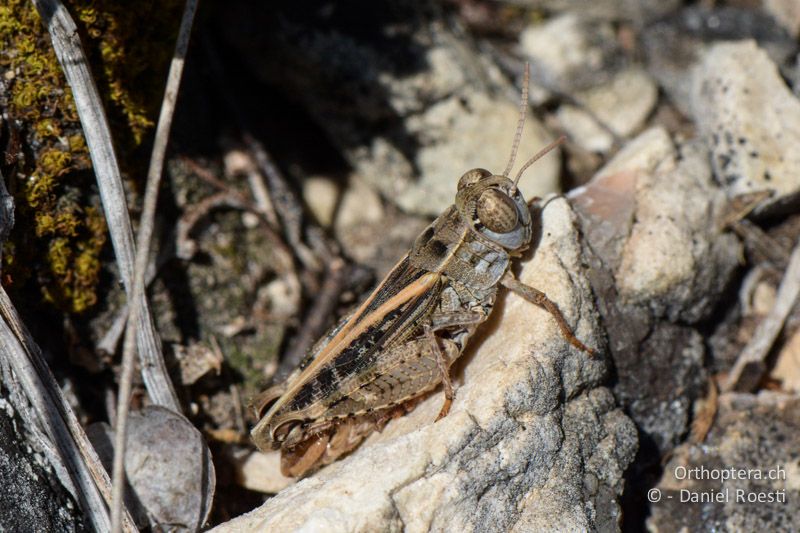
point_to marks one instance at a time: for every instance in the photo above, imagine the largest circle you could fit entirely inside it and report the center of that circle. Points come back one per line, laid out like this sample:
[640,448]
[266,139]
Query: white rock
[460,136]
[512,455]
[360,205]
[259,471]
[583,129]
[415,136]
[751,120]
[638,11]
[641,155]
[609,200]
[407,94]
[786,12]
[677,257]
[657,257]
[370,234]
[653,217]
[787,365]
[565,50]
[623,103]
[321,194]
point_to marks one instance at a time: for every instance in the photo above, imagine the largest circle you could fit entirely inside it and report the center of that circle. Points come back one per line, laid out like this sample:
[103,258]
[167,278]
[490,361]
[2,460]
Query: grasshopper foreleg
[539,298]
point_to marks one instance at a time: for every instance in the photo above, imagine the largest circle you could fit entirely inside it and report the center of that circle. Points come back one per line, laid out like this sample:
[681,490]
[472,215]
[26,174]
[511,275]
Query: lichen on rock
[60,231]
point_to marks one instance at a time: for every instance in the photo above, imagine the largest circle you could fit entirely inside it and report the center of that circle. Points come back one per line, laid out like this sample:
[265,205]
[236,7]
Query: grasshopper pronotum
[400,342]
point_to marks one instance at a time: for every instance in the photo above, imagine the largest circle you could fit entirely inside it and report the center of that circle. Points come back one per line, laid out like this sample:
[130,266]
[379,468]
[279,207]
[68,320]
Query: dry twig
[68,49]
[51,421]
[755,239]
[286,204]
[749,367]
[705,415]
[232,197]
[145,234]
[239,200]
[239,162]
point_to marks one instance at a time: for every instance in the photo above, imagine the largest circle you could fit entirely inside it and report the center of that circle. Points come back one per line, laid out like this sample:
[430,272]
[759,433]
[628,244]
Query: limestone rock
[636,11]
[466,131]
[751,119]
[321,195]
[659,260]
[608,202]
[582,128]
[170,472]
[360,204]
[532,442]
[787,364]
[675,43]
[624,102]
[677,259]
[621,105]
[655,223]
[786,12]
[371,235]
[754,434]
[410,104]
[568,52]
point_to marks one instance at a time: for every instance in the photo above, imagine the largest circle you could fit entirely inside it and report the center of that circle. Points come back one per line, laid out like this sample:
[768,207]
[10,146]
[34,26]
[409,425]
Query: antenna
[535,158]
[523,110]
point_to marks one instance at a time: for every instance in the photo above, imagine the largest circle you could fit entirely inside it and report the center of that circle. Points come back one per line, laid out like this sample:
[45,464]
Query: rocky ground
[313,143]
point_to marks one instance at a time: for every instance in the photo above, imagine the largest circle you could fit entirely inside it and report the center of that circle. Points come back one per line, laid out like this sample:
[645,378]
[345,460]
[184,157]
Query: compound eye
[473,176]
[497,211]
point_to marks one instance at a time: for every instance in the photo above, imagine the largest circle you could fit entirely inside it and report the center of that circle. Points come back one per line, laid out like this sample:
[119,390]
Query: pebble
[751,120]
[568,52]
[474,131]
[321,194]
[621,105]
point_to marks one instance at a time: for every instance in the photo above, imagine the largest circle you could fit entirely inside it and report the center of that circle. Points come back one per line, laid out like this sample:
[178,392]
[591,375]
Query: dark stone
[31,498]
[757,437]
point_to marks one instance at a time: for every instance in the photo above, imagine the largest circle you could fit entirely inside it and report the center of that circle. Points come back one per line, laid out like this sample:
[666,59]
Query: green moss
[48,127]
[60,232]
[133,53]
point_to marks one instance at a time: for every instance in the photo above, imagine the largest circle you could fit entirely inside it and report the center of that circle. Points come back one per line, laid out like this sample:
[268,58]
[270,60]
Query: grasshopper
[402,339]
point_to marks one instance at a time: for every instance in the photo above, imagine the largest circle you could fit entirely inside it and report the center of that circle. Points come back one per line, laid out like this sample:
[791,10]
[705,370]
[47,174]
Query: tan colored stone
[786,12]
[479,133]
[677,253]
[750,119]
[624,102]
[321,194]
[582,129]
[787,364]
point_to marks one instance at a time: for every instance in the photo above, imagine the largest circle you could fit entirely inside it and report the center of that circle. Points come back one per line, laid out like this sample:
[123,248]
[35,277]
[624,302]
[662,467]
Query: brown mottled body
[402,340]
[400,343]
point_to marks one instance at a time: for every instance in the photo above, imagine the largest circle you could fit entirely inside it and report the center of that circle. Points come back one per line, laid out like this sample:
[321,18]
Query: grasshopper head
[494,208]
[491,204]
